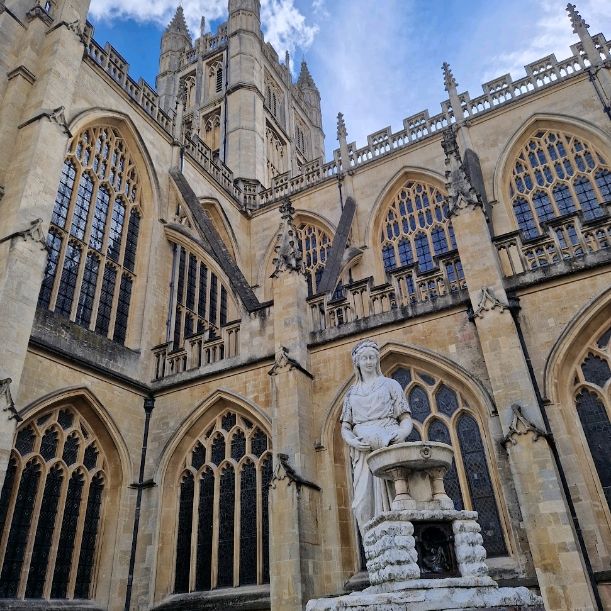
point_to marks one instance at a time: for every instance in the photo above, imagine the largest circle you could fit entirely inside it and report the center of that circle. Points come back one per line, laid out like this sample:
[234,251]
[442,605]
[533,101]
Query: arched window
[223,509]
[315,245]
[212,130]
[277,162]
[591,392]
[93,236]
[51,507]
[201,301]
[415,232]
[440,413]
[215,75]
[555,174]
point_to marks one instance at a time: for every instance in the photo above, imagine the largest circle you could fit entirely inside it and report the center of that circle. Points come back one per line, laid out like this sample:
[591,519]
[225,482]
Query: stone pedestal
[423,554]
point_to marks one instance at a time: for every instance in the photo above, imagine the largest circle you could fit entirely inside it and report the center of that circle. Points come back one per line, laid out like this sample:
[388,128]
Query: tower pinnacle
[178,23]
[449,81]
[580,27]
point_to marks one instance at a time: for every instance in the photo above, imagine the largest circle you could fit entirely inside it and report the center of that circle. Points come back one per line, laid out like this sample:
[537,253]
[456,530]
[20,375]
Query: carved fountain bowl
[400,459]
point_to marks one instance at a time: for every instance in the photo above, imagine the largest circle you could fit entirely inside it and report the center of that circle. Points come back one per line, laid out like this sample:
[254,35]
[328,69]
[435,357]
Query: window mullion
[61,505]
[460,465]
[259,492]
[237,524]
[78,538]
[59,270]
[98,290]
[79,171]
[79,281]
[197,477]
[215,532]
[10,510]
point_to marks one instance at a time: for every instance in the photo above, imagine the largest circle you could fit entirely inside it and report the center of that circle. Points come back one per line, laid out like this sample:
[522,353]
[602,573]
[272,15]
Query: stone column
[31,176]
[295,497]
[552,541]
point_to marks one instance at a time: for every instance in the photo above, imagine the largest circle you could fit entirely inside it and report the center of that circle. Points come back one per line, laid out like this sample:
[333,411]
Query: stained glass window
[315,246]
[416,228]
[233,549]
[50,495]
[557,173]
[103,172]
[441,414]
[592,405]
[198,292]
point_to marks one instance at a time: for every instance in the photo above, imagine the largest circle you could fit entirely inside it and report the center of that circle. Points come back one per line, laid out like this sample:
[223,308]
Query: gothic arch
[570,124]
[301,216]
[219,403]
[579,412]
[223,226]
[82,426]
[472,408]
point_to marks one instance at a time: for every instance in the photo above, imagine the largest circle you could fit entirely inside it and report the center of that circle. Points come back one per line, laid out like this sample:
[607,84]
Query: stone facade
[156,380]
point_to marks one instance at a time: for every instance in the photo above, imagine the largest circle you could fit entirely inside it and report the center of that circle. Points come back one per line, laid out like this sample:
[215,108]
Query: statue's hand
[359,444]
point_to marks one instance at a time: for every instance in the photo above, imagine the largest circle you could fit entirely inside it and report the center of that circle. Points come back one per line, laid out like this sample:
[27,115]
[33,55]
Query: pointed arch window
[223,508]
[51,507]
[593,407]
[201,300]
[416,233]
[315,245]
[554,174]
[99,192]
[441,413]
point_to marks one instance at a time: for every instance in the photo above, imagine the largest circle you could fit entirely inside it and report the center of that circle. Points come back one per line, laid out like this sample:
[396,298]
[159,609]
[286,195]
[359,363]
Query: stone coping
[419,515]
[250,598]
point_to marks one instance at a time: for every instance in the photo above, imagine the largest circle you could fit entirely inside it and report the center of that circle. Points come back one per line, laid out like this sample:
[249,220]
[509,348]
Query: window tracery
[51,507]
[277,162]
[591,391]
[215,76]
[274,100]
[554,174]
[315,245]
[440,413]
[93,236]
[212,130]
[223,507]
[416,232]
[201,301]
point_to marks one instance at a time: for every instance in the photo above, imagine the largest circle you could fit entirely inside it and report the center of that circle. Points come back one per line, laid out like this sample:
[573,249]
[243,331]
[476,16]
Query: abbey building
[183,276]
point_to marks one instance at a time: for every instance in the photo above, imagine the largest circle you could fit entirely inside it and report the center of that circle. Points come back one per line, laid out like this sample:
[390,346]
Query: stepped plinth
[423,554]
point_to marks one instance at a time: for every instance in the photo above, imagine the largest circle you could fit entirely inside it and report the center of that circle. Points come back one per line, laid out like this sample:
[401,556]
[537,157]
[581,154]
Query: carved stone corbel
[488,301]
[38,12]
[521,425]
[6,400]
[56,116]
[284,362]
[33,232]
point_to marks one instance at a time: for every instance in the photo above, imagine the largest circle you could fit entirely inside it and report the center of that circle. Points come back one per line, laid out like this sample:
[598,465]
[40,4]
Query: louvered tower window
[93,237]
[226,474]
[440,413]
[51,507]
[555,174]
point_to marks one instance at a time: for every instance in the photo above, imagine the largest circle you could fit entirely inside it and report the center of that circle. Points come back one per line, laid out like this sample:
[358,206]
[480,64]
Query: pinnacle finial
[341,127]
[449,81]
[288,254]
[178,23]
[287,211]
[577,21]
[202,26]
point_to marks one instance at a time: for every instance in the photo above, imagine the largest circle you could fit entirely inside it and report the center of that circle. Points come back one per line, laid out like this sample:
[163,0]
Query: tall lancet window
[51,507]
[441,413]
[556,174]
[592,392]
[93,237]
[223,510]
[315,245]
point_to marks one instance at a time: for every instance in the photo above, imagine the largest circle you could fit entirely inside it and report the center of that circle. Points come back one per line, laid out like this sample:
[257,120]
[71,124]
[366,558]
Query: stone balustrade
[564,238]
[199,351]
[407,286]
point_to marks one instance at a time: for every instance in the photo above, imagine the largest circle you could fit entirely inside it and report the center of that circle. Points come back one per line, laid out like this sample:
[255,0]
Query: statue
[375,415]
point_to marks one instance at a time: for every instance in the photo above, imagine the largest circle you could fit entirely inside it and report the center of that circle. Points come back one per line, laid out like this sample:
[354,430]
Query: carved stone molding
[288,254]
[488,301]
[33,232]
[23,72]
[6,400]
[461,193]
[521,425]
[38,12]
[284,471]
[74,26]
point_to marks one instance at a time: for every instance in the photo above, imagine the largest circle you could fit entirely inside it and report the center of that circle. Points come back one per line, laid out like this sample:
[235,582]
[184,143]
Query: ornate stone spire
[580,27]
[450,84]
[288,255]
[342,135]
[178,23]
[341,127]
[461,192]
[305,79]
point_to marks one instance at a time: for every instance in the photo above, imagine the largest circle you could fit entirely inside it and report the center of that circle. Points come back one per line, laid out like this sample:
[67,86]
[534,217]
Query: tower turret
[174,41]
[311,97]
[245,15]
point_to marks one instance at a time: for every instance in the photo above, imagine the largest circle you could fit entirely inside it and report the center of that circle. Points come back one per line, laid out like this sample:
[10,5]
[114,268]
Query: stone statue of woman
[375,415]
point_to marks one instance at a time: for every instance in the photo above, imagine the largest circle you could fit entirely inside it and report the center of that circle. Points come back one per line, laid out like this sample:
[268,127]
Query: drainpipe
[140,485]
[515,309]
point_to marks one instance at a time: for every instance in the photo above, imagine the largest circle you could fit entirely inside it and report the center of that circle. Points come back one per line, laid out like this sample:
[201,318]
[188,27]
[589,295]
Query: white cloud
[283,24]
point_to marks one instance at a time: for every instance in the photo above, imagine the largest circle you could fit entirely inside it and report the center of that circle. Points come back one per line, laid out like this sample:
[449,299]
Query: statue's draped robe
[374,415]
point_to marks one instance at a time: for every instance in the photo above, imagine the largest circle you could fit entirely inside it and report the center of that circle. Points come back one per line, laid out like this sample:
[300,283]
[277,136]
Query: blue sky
[377,61]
